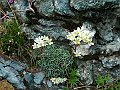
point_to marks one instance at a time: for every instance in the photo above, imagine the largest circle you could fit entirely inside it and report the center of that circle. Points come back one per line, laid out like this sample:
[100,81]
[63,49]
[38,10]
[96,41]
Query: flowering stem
[30,6]
[14,14]
[5,16]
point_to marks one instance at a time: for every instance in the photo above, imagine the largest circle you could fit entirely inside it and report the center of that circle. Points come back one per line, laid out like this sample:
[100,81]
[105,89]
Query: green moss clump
[55,61]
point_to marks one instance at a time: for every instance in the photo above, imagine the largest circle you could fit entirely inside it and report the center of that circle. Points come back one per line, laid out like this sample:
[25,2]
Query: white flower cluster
[42,41]
[79,35]
[58,80]
[82,34]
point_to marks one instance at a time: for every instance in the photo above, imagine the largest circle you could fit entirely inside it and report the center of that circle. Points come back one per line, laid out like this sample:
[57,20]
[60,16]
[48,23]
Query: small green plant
[12,39]
[65,88]
[103,83]
[73,79]
[116,86]
[55,61]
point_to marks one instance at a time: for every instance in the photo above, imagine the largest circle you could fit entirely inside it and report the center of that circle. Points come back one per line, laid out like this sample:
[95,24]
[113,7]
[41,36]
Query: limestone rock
[45,7]
[38,77]
[85,72]
[21,6]
[62,7]
[93,4]
[53,32]
[110,61]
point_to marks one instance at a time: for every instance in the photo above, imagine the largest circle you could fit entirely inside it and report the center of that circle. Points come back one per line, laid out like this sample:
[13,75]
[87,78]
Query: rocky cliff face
[56,18]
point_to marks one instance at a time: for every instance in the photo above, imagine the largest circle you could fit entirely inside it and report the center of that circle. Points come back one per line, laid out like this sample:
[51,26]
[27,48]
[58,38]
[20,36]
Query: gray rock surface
[4,4]
[111,61]
[47,28]
[105,28]
[62,7]
[51,23]
[49,83]
[85,72]
[45,7]
[28,77]
[17,66]
[107,49]
[11,75]
[15,73]
[98,69]
[56,18]
[21,6]
[29,80]
[93,4]
[38,77]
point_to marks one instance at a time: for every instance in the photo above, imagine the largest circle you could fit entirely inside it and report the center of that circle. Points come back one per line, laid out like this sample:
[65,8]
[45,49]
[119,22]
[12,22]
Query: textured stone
[38,77]
[11,75]
[2,60]
[117,12]
[17,66]
[49,83]
[98,69]
[54,32]
[93,4]
[85,72]
[105,30]
[115,73]
[2,74]
[55,18]
[107,49]
[31,33]
[8,69]
[4,4]
[28,77]
[1,65]
[21,6]
[5,62]
[55,88]
[110,61]
[62,7]
[45,7]
[51,23]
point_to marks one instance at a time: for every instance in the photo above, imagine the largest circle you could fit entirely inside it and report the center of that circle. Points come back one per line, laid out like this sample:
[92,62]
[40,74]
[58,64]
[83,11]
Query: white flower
[35,46]
[75,33]
[77,53]
[58,80]
[50,42]
[82,34]
[42,41]
[76,41]
[91,44]
[38,40]
[78,29]
[71,36]
[45,38]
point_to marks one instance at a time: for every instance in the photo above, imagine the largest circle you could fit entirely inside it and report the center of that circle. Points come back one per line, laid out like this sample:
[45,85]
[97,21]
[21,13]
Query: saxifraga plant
[55,61]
